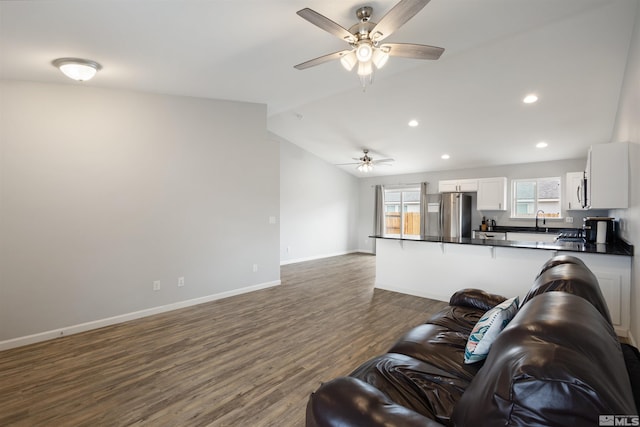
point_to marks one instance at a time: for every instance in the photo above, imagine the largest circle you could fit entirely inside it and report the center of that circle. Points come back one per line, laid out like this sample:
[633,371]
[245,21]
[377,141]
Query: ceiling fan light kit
[349,61]
[365,167]
[365,69]
[379,58]
[364,51]
[365,39]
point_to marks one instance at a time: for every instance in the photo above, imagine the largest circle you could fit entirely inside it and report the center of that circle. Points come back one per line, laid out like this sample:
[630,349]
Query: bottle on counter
[483,226]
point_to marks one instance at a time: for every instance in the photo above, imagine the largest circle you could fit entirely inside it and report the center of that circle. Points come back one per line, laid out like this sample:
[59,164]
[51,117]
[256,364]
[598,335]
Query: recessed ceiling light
[445,157]
[541,144]
[530,99]
[413,123]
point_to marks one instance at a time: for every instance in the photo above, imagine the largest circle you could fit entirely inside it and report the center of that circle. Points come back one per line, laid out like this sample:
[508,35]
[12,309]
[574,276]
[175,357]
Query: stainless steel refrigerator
[449,215]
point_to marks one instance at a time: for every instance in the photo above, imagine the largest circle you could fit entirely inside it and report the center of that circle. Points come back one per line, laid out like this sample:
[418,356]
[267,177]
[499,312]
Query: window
[537,194]
[402,212]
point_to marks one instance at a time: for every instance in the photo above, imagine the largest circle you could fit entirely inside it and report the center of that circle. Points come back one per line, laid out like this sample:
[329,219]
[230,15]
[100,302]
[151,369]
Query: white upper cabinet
[573,191]
[492,194]
[608,176]
[454,185]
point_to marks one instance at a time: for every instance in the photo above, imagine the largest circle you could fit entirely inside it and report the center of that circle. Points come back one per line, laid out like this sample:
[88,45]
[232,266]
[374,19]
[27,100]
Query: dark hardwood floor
[248,360]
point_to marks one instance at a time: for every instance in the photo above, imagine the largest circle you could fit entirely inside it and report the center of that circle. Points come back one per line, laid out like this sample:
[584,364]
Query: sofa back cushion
[558,362]
[561,259]
[572,278]
[475,298]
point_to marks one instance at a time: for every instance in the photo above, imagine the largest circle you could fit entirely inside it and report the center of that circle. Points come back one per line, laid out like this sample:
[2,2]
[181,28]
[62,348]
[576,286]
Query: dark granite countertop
[619,247]
[521,229]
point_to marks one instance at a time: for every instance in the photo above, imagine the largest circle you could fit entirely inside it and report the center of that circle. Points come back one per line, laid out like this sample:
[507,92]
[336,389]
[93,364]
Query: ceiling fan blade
[326,24]
[396,17]
[382,161]
[321,60]
[347,164]
[410,50]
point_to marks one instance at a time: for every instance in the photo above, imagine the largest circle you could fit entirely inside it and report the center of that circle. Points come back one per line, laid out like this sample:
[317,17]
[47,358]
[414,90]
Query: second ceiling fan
[366,162]
[365,37]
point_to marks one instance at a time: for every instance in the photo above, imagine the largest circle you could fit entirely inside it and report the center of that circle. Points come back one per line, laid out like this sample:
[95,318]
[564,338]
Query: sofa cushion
[439,346]
[561,259]
[347,401]
[409,382]
[475,298]
[573,278]
[557,363]
[487,329]
[457,318]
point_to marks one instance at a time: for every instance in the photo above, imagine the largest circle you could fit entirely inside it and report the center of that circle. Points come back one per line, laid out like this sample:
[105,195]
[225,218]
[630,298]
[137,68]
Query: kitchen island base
[436,270]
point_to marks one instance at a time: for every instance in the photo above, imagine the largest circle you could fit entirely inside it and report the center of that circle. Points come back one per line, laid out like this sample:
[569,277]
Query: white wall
[527,170]
[628,129]
[318,207]
[103,191]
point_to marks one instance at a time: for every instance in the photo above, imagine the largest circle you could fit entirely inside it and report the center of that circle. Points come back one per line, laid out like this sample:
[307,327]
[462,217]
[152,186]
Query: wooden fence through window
[411,223]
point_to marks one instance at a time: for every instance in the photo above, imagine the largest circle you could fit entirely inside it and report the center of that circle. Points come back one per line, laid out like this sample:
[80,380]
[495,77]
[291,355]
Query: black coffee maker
[599,229]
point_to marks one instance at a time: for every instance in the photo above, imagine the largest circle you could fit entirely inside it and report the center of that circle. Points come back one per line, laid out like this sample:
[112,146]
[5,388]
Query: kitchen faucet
[544,221]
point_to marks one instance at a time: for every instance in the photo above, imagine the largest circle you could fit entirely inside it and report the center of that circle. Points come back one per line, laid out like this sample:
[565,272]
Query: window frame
[513,214]
[402,203]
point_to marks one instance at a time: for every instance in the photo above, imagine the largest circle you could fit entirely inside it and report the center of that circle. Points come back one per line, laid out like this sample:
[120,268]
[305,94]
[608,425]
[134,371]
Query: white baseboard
[315,257]
[366,251]
[632,341]
[100,323]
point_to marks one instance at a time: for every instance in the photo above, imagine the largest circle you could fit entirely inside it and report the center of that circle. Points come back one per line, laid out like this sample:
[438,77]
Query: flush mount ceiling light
[445,157]
[413,123]
[365,39]
[542,144]
[530,99]
[77,68]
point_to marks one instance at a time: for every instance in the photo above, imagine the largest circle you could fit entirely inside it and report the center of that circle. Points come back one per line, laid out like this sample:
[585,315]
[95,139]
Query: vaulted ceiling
[571,53]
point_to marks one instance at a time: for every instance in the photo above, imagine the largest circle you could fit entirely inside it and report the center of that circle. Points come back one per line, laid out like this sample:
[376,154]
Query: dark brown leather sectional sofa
[557,363]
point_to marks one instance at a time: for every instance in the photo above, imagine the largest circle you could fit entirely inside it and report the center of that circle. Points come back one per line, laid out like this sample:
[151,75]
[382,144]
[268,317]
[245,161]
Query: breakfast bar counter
[619,247]
[436,268]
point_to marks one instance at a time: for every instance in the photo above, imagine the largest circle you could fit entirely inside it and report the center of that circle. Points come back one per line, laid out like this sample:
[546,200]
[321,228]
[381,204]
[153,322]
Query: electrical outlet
[255,268]
[272,220]
[288,249]
[156,285]
[569,219]
[180,282]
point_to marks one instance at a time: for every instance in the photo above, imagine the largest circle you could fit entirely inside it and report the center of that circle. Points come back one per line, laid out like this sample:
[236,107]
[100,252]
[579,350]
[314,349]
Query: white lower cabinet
[531,237]
[610,285]
[489,235]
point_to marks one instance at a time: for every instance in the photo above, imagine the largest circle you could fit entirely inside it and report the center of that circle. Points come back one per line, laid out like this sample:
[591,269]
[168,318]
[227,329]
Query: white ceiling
[572,53]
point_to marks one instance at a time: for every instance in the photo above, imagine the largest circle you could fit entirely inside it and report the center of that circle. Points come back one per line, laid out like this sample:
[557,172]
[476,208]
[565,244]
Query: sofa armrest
[557,363]
[476,298]
[347,401]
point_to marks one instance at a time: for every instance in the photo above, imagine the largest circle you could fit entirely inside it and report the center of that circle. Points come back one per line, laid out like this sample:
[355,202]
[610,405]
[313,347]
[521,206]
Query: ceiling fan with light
[365,37]
[366,163]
